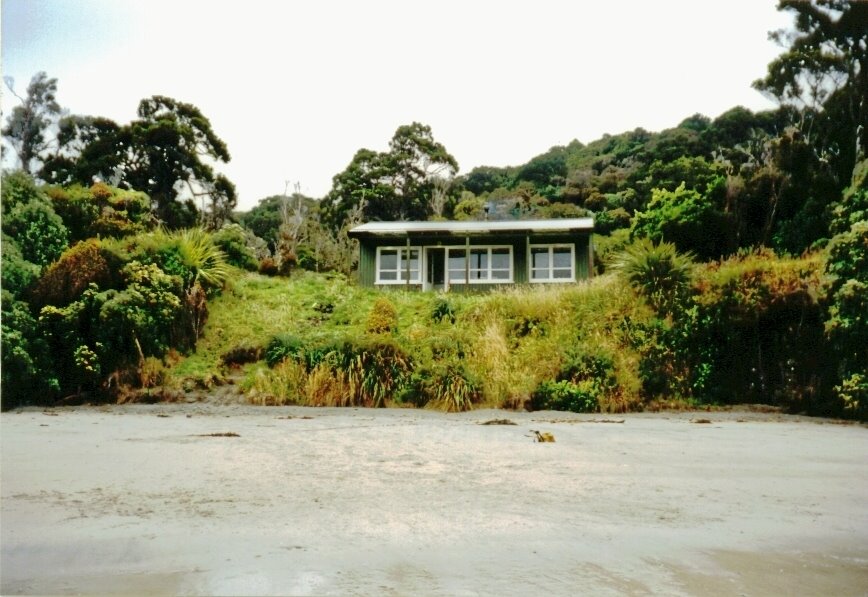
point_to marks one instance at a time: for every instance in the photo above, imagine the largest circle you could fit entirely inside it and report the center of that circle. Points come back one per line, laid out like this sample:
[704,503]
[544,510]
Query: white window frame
[550,279]
[489,279]
[402,265]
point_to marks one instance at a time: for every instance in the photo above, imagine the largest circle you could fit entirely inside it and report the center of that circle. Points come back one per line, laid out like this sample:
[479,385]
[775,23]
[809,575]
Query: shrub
[232,240]
[658,271]
[27,375]
[586,381]
[283,346]
[199,253]
[442,310]
[688,219]
[18,274]
[83,264]
[578,397]
[267,266]
[38,231]
[241,355]
[141,318]
[373,369]
[383,317]
[283,384]
[452,388]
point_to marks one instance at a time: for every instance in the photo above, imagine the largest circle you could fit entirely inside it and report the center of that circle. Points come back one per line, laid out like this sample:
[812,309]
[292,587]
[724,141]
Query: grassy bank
[411,348]
[744,330]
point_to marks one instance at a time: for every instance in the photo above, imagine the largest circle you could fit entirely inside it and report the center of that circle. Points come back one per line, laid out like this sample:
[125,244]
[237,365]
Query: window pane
[539,274]
[388,276]
[414,260]
[456,275]
[389,260]
[500,274]
[500,259]
[456,261]
[563,274]
[562,257]
[539,258]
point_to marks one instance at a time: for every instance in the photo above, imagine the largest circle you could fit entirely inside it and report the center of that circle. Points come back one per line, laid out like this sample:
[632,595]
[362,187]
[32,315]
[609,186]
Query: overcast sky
[296,88]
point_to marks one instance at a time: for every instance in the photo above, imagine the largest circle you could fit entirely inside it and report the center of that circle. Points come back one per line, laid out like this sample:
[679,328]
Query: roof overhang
[472,228]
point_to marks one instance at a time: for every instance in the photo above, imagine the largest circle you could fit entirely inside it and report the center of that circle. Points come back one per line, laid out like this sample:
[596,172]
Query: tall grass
[490,349]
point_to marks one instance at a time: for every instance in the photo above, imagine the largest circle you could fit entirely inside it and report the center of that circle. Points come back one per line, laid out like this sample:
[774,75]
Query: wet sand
[160,500]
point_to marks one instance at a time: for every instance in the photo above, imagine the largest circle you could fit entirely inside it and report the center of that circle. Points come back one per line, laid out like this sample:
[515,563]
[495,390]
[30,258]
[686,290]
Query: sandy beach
[238,500]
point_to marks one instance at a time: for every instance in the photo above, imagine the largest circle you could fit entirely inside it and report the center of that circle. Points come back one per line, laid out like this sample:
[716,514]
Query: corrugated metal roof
[473,227]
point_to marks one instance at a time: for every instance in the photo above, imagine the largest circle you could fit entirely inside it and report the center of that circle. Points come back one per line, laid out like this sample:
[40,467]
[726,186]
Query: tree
[27,125]
[687,218]
[167,147]
[88,148]
[395,185]
[823,72]
[165,153]
[846,294]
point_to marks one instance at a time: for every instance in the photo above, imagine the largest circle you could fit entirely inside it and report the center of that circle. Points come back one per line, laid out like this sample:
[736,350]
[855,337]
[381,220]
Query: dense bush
[240,246]
[30,221]
[846,295]
[18,273]
[748,332]
[27,375]
[578,397]
[83,264]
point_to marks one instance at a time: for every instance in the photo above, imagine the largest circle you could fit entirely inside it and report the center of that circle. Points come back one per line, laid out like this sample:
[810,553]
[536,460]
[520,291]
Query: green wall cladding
[368,255]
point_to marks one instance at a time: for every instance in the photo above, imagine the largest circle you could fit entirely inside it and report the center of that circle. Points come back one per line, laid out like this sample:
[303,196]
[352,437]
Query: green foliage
[18,273]
[264,219]
[383,318]
[143,314]
[658,271]
[687,219]
[350,373]
[822,72]
[236,245]
[101,210]
[846,295]
[30,221]
[853,394]
[27,375]
[283,346]
[442,310]
[201,256]
[565,395]
[188,254]
[749,332]
[396,185]
[38,231]
[585,382]
[169,147]
[81,265]
[452,388]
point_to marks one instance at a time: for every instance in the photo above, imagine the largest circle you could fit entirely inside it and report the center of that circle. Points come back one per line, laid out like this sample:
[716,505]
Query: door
[435,278]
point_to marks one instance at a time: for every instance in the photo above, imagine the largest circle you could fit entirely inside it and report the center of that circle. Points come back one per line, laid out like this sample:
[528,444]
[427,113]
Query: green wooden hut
[459,256]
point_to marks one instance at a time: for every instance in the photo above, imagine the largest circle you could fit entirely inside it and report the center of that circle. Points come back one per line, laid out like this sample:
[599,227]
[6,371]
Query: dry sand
[142,500]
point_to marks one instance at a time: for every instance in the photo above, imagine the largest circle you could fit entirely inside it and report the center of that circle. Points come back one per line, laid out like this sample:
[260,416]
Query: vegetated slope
[742,330]
[330,342]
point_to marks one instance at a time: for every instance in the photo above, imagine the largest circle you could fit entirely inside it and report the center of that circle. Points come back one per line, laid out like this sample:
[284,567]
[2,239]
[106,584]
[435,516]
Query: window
[552,263]
[392,265]
[487,264]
